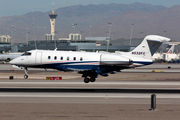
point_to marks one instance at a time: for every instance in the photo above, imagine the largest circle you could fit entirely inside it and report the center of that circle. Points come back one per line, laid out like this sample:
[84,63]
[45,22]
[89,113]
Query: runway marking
[96,83]
[89,95]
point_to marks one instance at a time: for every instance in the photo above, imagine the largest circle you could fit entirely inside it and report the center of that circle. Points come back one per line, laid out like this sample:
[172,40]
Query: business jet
[91,64]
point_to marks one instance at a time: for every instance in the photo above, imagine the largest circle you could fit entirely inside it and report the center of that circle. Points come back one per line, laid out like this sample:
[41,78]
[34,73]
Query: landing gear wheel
[26,72]
[86,80]
[92,79]
[25,76]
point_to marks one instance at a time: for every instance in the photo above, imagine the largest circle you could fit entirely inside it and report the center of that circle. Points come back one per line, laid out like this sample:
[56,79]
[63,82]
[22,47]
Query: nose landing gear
[26,73]
[25,76]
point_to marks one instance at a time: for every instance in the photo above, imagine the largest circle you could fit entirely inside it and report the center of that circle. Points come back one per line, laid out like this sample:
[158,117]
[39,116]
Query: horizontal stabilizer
[157,38]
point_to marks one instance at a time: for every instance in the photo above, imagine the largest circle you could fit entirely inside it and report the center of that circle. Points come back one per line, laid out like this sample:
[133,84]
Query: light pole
[112,34]
[109,39]
[164,32]
[81,34]
[44,33]
[7,32]
[107,33]
[131,32]
[27,35]
[55,40]
[73,26]
[14,35]
[110,25]
[7,35]
[34,36]
[90,31]
[141,34]
[163,44]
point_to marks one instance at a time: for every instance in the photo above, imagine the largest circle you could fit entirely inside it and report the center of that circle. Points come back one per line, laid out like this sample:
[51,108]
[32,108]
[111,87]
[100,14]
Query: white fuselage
[67,60]
[91,64]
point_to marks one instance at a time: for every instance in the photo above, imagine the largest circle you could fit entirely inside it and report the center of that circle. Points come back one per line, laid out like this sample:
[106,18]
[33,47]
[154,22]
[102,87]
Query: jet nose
[12,62]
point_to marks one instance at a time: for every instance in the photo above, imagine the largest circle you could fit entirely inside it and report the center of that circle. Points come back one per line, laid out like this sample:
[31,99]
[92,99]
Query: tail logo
[170,51]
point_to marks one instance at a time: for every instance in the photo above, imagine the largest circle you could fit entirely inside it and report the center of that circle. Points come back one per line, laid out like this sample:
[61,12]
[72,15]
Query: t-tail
[148,46]
[171,50]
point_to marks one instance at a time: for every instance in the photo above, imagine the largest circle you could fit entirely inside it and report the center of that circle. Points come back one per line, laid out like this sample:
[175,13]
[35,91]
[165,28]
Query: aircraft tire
[25,76]
[92,79]
[86,80]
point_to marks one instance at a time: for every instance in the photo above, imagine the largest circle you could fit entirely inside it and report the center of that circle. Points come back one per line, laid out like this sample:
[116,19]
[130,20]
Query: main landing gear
[26,73]
[89,76]
[87,80]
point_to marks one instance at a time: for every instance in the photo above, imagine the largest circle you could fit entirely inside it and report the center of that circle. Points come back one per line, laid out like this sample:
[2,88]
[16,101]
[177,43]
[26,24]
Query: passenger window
[74,58]
[81,59]
[49,57]
[55,58]
[67,58]
[61,58]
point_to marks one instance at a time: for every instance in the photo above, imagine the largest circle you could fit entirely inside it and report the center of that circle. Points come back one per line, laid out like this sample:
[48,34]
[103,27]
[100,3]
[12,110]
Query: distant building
[72,36]
[97,38]
[63,39]
[91,46]
[5,39]
[5,43]
[50,37]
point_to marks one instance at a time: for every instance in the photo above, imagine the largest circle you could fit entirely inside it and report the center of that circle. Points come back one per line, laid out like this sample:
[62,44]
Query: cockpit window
[26,54]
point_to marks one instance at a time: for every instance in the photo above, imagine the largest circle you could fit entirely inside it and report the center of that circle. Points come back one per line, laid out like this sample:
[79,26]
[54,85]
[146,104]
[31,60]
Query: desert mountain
[147,19]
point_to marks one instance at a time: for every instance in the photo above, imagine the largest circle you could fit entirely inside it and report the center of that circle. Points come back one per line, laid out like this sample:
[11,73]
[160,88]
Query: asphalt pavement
[125,95]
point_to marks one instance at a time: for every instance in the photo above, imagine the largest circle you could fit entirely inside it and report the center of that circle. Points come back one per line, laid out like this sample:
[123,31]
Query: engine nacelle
[115,60]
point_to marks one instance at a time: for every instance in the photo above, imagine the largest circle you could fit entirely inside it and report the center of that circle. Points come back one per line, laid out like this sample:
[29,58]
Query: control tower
[52,16]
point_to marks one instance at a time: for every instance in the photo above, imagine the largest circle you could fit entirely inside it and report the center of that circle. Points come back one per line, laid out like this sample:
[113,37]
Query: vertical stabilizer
[171,50]
[148,46]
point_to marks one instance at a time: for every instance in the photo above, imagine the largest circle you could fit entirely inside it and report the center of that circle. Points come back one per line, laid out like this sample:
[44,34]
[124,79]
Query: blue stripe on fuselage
[83,65]
[70,65]
[143,63]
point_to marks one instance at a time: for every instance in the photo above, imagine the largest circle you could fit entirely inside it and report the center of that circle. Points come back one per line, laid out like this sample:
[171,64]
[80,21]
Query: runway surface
[125,95]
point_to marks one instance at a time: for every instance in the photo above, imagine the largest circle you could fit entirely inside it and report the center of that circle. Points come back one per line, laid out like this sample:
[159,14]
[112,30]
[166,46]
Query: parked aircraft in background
[9,57]
[91,64]
[171,49]
[169,56]
[162,56]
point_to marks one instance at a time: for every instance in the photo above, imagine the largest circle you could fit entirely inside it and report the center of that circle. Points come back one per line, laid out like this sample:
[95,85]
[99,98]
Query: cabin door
[39,58]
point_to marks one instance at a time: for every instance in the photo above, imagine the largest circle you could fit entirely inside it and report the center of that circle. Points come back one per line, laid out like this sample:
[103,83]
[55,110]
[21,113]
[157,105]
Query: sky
[20,7]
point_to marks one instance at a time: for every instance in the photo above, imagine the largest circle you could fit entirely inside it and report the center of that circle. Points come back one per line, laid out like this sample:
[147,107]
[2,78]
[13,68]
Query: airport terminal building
[62,45]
